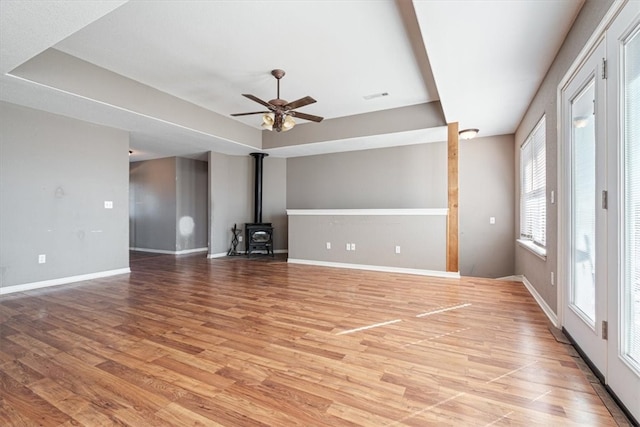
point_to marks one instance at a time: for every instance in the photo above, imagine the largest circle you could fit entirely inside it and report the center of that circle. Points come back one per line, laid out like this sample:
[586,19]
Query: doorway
[599,218]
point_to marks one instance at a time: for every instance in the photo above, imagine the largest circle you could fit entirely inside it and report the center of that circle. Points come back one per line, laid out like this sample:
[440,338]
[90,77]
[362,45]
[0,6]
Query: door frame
[613,177]
[563,182]
[586,336]
[619,369]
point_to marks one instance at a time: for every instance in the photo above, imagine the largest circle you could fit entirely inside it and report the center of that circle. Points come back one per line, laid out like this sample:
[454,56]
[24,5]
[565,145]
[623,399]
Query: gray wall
[231,198]
[536,270]
[55,175]
[422,240]
[274,199]
[191,204]
[168,204]
[412,176]
[153,213]
[487,185]
[416,177]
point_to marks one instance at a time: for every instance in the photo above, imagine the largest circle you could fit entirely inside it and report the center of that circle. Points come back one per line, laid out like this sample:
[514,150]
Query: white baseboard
[218,255]
[153,251]
[62,281]
[541,302]
[385,269]
[191,251]
[511,278]
[162,251]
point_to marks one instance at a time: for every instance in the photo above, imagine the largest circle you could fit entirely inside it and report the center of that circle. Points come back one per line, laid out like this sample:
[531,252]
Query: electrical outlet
[353,246]
[492,220]
[348,246]
[397,249]
[42,259]
[108,204]
[328,245]
[239,238]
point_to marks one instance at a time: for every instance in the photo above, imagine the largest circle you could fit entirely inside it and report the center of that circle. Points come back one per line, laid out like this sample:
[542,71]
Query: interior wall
[153,215]
[416,177]
[231,180]
[413,176]
[274,199]
[487,185]
[374,238]
[230,198]
[168,204]
[55,175]
[191,204]
[536,270]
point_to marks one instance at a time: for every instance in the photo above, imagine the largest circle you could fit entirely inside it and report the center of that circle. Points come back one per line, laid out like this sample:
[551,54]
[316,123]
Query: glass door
[585,165]
[583,202]
[623,47]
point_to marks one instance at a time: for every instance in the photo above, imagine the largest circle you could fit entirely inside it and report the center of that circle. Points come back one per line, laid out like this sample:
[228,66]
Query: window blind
[533,184]
[631,196]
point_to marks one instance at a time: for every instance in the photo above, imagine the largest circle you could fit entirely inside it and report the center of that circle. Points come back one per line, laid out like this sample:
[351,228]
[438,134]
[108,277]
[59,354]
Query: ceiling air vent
[376,95]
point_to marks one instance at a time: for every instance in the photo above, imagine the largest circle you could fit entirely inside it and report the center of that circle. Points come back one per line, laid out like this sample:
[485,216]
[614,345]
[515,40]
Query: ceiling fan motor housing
[278,102]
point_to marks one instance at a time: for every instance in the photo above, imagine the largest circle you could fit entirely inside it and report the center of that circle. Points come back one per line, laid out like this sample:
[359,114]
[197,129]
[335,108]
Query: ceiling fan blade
[299,103]
[246,114]
[256,99]
[310,117]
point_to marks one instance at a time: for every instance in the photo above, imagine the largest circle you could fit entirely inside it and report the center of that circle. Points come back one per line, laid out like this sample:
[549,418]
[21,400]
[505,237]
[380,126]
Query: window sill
[533,248]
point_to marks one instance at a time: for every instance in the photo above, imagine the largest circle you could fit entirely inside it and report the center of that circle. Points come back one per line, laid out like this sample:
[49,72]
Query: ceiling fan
[280,115]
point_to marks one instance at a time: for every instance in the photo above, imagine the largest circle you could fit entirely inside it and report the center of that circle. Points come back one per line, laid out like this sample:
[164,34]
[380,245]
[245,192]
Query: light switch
[492,220]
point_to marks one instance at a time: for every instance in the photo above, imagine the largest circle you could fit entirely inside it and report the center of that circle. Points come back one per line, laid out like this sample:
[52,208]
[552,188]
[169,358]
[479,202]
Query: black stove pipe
[257,195]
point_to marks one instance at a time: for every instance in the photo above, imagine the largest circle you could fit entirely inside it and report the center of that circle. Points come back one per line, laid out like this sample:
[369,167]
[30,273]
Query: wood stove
[259,238]
[258,235]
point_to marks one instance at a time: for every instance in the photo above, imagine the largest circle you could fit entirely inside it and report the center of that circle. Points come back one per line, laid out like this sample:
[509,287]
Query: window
[533,178]
[631,204]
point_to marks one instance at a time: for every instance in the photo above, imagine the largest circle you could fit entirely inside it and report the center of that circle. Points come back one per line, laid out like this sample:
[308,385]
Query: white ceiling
[486,59]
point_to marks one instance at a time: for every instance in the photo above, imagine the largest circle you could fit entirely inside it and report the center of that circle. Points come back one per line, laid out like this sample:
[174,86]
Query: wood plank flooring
[186,341]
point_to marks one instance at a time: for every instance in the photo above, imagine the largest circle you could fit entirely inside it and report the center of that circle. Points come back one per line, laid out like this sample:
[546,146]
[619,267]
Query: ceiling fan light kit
[281,113]
[288,123]
[468,133]
[267,121]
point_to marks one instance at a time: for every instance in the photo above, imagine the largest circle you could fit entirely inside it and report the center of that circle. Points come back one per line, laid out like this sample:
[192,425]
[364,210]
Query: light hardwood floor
[188,341]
